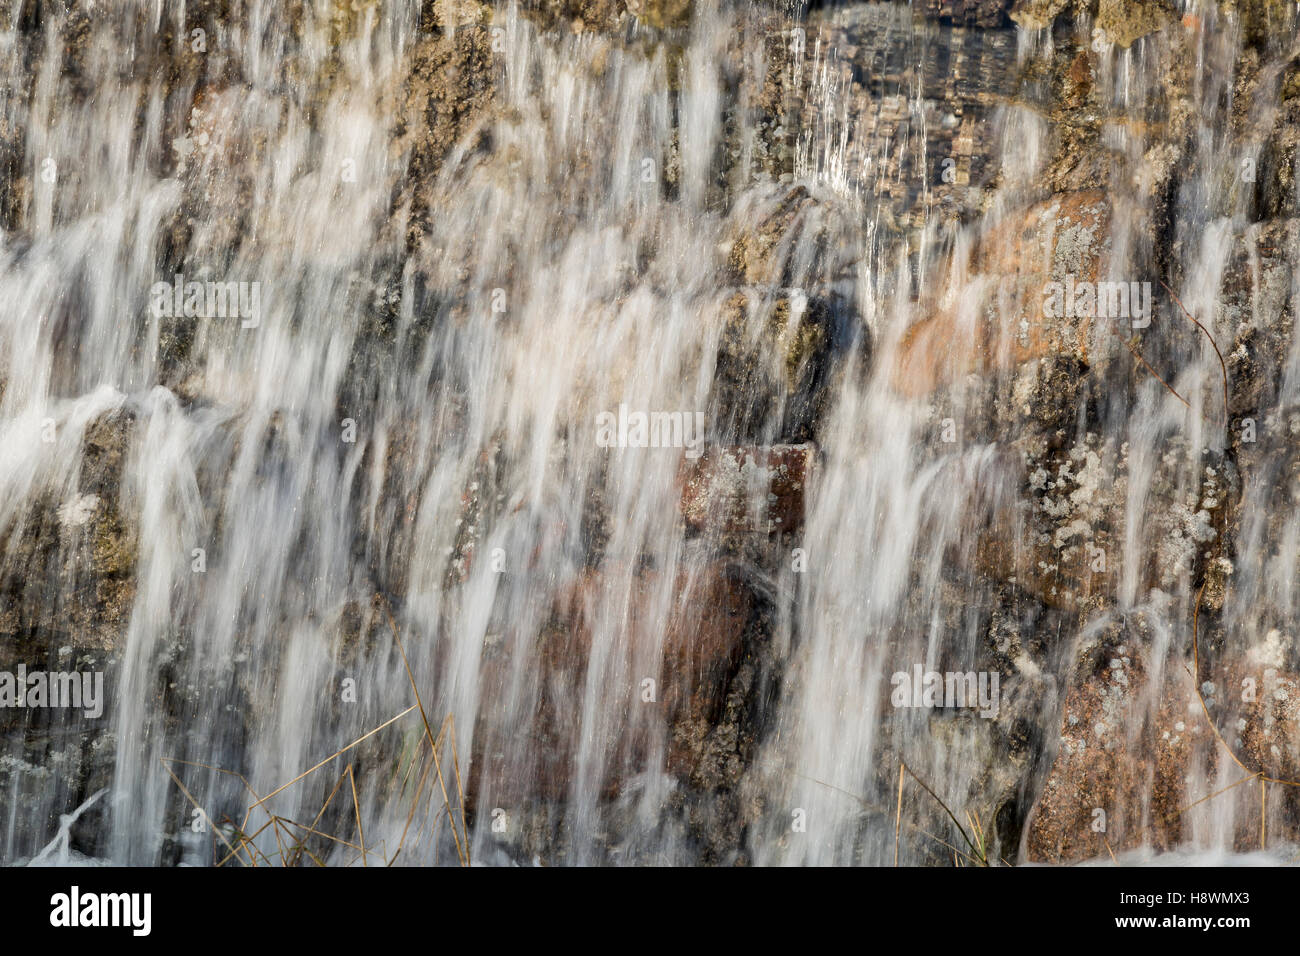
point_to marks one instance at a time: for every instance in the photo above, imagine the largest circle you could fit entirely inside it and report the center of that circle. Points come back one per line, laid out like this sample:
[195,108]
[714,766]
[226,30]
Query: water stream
[376,469]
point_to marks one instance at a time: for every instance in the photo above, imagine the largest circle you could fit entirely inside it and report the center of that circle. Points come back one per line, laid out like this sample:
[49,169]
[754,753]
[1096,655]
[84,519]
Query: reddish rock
[1066,236]
[689,664]
[1153,763]
[758,490]
[1116,783]
[1257,708]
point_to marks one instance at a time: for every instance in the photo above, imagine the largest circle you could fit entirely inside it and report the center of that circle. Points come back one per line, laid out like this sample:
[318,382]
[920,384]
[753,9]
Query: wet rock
[772,105]
[777,359]
[1123,22]
[1151,752]
[67,582]
[661,14]
[1257,568]
[1058,527]
[347,18]
[756,255]
[674,683]
[1115,783]
[1037,14]
[449,90]
[1063,240]
[1255,315]
[1056,549]
[1263,22]
[55,761]
[979,13]
[70,570]
[478,505]
[581,15]
[746,489]
[1275,175]
[1258,709]
[15,187]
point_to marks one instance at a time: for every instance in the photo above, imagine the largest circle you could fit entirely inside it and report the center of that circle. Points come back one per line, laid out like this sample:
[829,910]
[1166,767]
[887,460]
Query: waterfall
[493,434]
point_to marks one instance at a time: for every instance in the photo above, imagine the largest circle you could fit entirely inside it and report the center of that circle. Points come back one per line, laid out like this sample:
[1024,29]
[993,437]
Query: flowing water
[381,474]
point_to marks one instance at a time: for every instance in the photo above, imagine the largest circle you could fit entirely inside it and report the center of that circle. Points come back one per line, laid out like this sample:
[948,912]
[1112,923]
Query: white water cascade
[310,317]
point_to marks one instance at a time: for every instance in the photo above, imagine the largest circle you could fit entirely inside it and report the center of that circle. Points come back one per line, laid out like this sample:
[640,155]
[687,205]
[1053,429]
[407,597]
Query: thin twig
[461,853]
[1263,814]
[191,799]
[1223,366]
[332,756]
[945,810]
[356,805]
[898,816]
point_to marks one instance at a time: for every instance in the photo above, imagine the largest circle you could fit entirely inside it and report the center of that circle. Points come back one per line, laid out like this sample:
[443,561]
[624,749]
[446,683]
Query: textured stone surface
[1006,324]
[710,612]
[759,490]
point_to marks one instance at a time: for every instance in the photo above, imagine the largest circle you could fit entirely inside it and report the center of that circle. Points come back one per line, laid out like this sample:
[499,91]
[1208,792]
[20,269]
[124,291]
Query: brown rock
[758,255]
[1036,14]
[1124,23]
[1257,708]
[1116,783]
[661,14]
[1149,761]
[689,664]
[757,490]
[1057,240]
[449,90]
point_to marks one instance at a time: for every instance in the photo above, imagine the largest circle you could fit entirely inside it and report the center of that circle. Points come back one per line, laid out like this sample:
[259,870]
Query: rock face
[699,652]
[906,211]
[747,489]
[1070,519]
[1018,313]
[784,340]
[66,589]
[661,14]
[449,88]
[980,13]
[1123,23]
[684,709]
[1132,741]
[1116,781]
[68,568]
